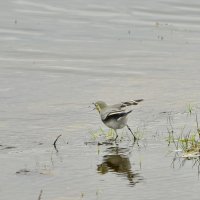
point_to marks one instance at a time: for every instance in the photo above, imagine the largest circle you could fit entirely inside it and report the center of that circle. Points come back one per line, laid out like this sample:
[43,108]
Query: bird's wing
[130,103]
[118,110]
[124,104]
[111,110]
[115,114]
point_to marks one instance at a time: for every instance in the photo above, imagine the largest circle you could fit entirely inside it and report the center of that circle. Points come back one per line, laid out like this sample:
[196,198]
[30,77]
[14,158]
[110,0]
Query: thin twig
[40,195]
[54,144]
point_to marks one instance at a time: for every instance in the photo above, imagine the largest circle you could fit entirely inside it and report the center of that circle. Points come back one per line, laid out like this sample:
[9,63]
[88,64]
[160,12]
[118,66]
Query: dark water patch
[23,172]
[7,147]
[29,172]
[99,143]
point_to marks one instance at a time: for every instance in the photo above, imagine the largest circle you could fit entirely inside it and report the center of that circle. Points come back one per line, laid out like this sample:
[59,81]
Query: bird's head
[99,105]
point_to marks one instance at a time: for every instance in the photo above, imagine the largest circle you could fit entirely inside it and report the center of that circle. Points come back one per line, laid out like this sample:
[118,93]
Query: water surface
[57,57]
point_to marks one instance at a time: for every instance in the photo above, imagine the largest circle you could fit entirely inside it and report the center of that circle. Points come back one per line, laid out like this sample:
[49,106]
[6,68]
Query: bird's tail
[132,102]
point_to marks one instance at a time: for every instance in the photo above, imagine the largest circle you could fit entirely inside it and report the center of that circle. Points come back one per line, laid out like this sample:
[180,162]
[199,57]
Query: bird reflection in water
[119,163]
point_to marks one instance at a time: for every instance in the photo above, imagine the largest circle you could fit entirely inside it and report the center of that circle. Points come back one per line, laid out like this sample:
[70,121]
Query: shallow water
[57,57]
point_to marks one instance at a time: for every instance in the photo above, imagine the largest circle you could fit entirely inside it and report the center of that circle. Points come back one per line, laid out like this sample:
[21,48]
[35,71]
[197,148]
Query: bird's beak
[94,106]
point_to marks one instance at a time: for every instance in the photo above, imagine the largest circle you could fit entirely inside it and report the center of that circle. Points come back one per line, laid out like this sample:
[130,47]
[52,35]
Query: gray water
[56,58]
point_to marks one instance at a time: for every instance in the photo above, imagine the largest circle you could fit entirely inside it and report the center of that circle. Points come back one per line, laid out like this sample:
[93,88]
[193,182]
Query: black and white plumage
[115,116]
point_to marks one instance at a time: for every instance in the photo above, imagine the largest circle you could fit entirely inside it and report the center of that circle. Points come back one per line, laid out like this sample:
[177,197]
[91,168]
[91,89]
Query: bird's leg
[135,138]
[116,134]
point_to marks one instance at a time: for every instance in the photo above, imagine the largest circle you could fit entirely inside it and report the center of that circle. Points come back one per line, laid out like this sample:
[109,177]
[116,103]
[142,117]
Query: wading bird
[115,116]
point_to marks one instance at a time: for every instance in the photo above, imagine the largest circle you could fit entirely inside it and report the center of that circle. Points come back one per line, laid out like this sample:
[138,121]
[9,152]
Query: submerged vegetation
[109,135]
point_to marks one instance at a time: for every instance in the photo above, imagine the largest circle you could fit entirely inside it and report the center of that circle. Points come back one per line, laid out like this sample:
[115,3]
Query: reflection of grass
[188,143]
[182,160]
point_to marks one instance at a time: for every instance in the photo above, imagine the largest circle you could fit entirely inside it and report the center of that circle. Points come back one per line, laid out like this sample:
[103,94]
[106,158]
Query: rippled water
[57,57]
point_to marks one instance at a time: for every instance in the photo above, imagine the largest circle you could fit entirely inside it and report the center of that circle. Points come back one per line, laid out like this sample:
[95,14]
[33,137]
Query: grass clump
[100,133]
[188,143]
